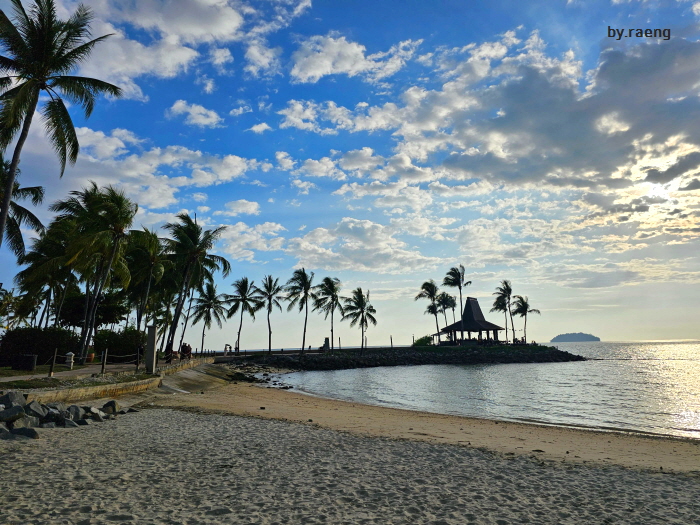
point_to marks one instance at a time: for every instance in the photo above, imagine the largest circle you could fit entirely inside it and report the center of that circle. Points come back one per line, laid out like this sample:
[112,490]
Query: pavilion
[473,321]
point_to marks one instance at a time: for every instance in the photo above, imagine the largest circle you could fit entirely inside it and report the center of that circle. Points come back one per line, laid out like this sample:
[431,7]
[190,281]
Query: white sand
[174,467]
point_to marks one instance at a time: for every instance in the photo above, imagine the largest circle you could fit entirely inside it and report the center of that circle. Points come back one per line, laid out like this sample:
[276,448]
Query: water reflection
[649,387]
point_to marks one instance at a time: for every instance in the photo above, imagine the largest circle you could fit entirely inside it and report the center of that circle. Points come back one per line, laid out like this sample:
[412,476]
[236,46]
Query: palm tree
[147,263]
[245,300]
[18,215]
[208,307]
[455,279]
[522,308]
[102,218]
[190,248]
[430,291]
[299,290]
[502,303]
[41,51]
[446,302]
[328,300]
[269,295]
[358,309]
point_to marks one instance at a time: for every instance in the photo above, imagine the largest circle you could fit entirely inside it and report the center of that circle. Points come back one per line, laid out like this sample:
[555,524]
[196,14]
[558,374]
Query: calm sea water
[644,387]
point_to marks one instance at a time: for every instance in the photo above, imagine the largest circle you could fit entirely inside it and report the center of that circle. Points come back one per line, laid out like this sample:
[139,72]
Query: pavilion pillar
[480,339]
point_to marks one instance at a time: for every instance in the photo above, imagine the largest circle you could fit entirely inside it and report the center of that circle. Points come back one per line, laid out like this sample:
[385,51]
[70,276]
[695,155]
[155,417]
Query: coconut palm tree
[18,215]
[328,300]
[190,247]
[102,218]
[147,260]
[209,306]
[522,308]
[41,51]
[446,302]
[503,295]
[430,291]
[244,299]
[300,290]
[358,309]
[270,294]
[455,279]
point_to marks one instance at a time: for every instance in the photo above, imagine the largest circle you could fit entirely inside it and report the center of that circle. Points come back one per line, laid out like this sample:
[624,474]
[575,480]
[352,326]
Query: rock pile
[21,418]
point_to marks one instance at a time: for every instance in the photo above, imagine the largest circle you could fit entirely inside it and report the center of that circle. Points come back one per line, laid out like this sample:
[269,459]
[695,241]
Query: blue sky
[384,142]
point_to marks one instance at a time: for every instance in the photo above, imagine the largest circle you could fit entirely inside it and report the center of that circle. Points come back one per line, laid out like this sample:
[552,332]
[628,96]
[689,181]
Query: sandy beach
[206,461]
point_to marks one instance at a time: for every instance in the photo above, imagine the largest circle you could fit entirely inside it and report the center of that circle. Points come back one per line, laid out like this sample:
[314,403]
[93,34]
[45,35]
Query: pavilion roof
[473,319]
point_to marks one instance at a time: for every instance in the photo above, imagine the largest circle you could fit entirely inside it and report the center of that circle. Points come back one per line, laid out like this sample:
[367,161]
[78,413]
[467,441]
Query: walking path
[76,373]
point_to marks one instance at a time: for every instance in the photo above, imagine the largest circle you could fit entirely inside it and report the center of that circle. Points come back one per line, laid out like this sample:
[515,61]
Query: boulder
[36,410]
[48,425]
[25,422]
[27,432]
[57,405]
[100,418]
[13,398]
[123,411]
[68,423]
[11,414]
[3,428]
[76,413]
[111,407]
[84,422]
[53,416]
[132,409]
[2,407]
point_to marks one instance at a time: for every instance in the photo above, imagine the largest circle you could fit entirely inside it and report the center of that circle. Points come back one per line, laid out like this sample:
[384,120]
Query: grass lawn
[6,371]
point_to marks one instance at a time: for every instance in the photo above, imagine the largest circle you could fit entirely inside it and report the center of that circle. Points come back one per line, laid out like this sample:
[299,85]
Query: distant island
[574,338]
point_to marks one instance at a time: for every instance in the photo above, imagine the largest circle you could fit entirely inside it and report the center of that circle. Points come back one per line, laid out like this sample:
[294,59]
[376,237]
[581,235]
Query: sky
[384,142]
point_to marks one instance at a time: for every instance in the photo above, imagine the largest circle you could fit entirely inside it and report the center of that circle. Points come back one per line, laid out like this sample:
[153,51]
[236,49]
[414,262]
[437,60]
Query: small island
[574,338]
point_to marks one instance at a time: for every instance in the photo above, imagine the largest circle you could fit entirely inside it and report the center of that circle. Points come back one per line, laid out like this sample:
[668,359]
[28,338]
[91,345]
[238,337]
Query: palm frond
[61,132]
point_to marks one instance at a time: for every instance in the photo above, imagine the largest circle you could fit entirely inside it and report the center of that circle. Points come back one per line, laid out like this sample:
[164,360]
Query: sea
[648,387]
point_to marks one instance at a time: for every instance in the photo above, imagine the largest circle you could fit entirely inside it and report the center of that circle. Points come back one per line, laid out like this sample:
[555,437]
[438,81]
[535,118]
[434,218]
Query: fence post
[340,347]
[392,341]
[104,361]
[138,357]
[53,362]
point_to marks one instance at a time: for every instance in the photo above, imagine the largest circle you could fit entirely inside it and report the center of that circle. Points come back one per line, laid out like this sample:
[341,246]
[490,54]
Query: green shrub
[39,341]
[119,344]
[426,340]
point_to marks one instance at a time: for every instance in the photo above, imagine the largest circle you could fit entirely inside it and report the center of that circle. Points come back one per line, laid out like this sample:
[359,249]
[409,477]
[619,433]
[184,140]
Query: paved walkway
[77,372]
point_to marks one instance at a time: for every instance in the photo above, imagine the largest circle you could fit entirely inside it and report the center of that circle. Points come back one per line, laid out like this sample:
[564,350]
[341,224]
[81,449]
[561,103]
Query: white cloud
[259,128]
[220,57]
[240,241]
[284,161]
[319,56]
[324,167]
[196,115]
[240,110]
[200,197]
[303,186]
[262,60]
[240,207]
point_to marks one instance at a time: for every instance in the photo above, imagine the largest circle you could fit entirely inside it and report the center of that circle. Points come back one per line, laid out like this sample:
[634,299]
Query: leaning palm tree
[102,218]
[328,300]
[191,248]
[522,308]
[502,303]
[18,215]
[244,299]
[445,302]
[40,52]
[358,309]
[430,291]
[270,294]
[300,290]
[209,306]
[455,279]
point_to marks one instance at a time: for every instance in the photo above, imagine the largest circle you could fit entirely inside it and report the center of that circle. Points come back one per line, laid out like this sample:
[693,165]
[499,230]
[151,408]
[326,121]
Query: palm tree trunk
[512,326]
[187,318]
[240,327]
[176,316]
[48,307]
[444,313]
[505,315]
[461,313]
[525,329]
[60,305]
[12,172]
[306,316]
[269,332]
[140,311]
[203,327]
[438,328]
[103,280]
[332,347]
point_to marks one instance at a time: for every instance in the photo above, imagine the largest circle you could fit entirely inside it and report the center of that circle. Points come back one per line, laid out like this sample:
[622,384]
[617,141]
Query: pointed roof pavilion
[473,320]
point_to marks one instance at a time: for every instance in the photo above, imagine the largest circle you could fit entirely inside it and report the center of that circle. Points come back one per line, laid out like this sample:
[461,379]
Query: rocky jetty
[445,355]
[21,418]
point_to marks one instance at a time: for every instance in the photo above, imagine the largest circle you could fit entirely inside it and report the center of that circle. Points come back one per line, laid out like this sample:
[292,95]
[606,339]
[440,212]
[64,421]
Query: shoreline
[660,453]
